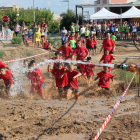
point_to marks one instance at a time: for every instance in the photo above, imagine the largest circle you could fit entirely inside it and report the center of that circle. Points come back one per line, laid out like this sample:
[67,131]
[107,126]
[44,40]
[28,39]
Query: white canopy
[104,14]
[133,12]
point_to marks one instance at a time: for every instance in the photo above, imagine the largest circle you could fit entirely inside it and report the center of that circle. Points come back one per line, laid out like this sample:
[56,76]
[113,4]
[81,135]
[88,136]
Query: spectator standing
[82,31]
[23,30]
[64,31]
[77,30]
[46,31]
[63,38]
[17,28]
[72,28]
[43,24]
[34,30]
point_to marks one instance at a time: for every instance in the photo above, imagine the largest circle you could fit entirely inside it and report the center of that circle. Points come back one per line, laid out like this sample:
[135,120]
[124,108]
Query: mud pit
[29,118]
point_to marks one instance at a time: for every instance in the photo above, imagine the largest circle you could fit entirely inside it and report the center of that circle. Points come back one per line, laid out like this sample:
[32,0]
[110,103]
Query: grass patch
[29,53]
[2,53]
[17,40]
[126,76]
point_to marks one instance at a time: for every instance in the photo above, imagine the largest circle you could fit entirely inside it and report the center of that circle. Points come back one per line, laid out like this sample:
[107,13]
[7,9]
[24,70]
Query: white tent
[104,14]
[133,12]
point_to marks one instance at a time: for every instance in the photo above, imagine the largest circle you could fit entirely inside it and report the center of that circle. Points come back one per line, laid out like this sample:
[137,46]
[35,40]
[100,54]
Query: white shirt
[63,31]
[82,30]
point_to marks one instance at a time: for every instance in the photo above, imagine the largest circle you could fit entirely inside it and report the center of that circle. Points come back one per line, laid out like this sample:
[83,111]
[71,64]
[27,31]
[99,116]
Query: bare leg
[69,91]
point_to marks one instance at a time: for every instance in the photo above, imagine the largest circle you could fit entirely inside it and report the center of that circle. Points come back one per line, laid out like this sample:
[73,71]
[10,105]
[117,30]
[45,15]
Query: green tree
[27,17]
[68,18]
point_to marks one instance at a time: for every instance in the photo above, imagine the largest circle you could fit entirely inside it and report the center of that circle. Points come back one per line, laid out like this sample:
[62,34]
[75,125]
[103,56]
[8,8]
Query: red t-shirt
[92,43]
[43,24]
[66,51]
[60,82]
[70,38]
[2,65]
[81,52]
[54,58]
[33,76]
[82,69]
[72,83]
[107,59]
[88,41]
[8,79]
[95,42]
[83,41]
[104,80]
[46,44]
[89,69]
[108,44]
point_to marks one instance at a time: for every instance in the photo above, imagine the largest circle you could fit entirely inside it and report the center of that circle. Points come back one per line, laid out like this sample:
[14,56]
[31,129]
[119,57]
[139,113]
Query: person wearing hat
[66,50]
[109,44]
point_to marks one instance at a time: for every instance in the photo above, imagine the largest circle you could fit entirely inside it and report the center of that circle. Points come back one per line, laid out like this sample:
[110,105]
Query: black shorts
[42,36]
[88,47]
[95,47]
[91,48]
[61,89]
[82,35]
[105,88]
[77,32]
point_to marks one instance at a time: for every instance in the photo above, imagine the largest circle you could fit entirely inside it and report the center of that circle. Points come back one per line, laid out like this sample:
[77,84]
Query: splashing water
[20,81]
[19,78]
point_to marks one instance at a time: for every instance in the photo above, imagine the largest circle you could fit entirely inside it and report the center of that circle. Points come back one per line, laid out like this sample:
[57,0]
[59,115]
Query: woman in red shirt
[109,44]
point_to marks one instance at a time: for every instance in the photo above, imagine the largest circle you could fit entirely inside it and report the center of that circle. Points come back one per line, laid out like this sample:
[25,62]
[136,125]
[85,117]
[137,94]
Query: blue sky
[55,5]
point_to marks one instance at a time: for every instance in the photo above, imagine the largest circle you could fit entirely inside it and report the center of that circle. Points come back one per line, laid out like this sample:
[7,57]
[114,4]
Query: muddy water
[25,119]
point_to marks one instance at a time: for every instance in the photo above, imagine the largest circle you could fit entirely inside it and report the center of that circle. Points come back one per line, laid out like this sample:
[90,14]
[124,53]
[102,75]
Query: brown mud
[27,117]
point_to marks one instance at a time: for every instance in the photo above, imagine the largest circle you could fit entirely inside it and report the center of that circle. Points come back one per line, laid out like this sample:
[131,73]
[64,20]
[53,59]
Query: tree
[68,18]
[27,17]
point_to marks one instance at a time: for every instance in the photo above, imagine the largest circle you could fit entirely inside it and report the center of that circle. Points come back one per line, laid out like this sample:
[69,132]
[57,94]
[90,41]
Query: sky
[55,5]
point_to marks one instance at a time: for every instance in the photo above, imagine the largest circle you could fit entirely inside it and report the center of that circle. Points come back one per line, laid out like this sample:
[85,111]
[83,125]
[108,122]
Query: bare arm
[7,67]
[49,68]
[79,74]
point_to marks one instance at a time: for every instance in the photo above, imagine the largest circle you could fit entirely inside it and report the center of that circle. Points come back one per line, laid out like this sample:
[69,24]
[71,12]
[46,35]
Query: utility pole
[33,12]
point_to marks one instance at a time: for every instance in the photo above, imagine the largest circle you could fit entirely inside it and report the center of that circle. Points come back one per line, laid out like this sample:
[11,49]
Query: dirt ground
[27,117]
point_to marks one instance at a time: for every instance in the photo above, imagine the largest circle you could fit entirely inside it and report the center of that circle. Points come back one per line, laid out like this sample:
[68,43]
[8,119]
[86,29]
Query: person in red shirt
[109,44]
[82,69]
[61,83]
[2,65]
[72,81]
[67,51]
[72,35]
[95,45]
[88,43]
[92,44]
[7,76]
[89,69]
[47,45]
[43,24]
[57,57]
[104,78]
[82,41]
[37,82]
[107,58]
[80,51]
